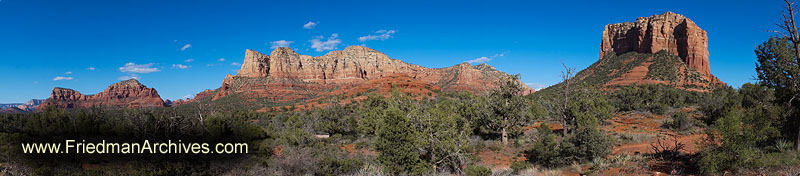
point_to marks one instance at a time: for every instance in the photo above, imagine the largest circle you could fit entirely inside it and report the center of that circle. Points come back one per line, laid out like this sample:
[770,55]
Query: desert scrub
[680,122]
[475,170]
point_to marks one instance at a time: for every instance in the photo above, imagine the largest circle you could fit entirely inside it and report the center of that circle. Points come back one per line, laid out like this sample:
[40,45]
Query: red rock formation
[128,94]
[254,64]
[285,75]
[669,31]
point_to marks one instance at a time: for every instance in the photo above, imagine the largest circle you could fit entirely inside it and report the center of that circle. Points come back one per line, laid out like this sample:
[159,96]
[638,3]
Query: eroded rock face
[254,64]
[354,64]
[669,31]
[128,94]
[289,76]
[667,49]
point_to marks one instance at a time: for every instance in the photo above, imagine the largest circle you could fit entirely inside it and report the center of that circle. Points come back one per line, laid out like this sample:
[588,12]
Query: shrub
[659,109]
[295,161]
[680,121]
[333,166]
[519,166]
[585,145]
[369,170]
[475,170]
[545,150]
[396,143]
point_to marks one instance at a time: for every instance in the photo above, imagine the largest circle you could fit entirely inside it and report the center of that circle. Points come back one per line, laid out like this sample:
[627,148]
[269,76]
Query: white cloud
[131,67]
[329,44]
[187,46]
[69,72]
[90,68]
[190,96]
[189,60]
[484,59]
[379,35]
[180,66]
[61,78]
[310,25]
[236,64]
[128,77]
[221,59]
[280,43]
[536,86]
[479,60]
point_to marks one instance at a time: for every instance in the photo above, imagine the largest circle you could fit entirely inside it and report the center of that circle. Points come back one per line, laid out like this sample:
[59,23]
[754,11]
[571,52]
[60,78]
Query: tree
[588,108]
[778,62]
[397,141]
[743,134]
[475,109]
[566,78]
[587,142]
[369,114]
[778,68]
[510,109]
[546,150]
[444,135]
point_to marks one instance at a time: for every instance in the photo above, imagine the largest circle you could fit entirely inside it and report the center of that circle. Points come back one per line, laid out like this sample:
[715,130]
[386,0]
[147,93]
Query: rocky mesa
[125,94]
[286,76]
[668,49]
[669,31]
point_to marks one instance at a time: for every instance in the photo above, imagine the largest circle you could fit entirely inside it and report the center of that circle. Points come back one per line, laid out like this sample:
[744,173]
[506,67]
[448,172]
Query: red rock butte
[125,94]
[669,31]
[285,75]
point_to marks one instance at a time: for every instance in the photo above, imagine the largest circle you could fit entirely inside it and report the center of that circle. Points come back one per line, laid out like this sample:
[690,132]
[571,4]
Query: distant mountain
[4,106]
[285,77]
[125,94]
[22,107]
[667,49]
[12,110]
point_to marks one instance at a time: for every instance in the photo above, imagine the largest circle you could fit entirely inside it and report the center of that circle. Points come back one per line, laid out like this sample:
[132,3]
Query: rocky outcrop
[31,105]
[12,110]
[254,64]
[354,64]
[286,76]
[671,32]
[126,94]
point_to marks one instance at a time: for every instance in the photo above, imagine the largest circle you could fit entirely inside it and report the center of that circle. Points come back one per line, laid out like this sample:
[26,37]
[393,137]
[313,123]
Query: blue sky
[183,47]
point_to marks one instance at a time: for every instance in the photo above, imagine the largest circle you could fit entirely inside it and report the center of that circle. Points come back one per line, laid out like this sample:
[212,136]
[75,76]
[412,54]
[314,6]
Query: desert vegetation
[501,132]
[675,120]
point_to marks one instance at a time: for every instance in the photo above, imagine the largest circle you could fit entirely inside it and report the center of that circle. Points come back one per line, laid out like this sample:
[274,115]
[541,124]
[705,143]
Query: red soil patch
[500,159]
[352,151]
[552,126]
[647,124]
[635,124]
[634,76]
[277,151]
[346,94]
[690,142]
[86,165]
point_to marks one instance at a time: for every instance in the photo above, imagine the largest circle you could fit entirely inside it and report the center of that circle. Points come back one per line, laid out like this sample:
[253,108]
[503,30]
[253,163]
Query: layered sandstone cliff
[353,64]
[126,94]
[669,31]
[285,76]
[667,49]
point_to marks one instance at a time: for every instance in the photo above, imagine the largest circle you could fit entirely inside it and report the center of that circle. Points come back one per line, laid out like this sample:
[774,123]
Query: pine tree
[396,143]
[510,109]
